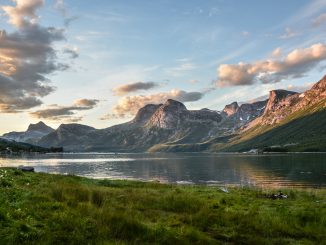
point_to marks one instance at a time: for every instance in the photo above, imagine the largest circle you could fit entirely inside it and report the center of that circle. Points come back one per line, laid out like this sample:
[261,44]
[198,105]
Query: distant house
[253,151]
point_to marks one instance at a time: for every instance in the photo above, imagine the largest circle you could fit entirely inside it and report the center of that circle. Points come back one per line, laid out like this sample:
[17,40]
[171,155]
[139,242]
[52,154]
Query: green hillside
[303,130]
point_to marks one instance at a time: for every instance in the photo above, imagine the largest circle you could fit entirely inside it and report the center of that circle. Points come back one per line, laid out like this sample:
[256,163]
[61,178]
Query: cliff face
[230,109]
[173,115]
[248,112]
[169,115]
[314,95]
[282,103]
[278,99]
[145,113]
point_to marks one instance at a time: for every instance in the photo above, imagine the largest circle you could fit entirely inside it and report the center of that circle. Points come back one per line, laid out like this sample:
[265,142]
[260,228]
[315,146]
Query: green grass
[52,209]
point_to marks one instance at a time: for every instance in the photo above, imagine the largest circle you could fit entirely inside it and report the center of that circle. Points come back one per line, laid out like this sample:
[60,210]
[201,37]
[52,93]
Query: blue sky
[177,46]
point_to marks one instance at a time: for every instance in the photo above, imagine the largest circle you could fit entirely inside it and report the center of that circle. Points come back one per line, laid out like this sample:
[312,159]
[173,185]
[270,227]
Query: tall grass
[51,209]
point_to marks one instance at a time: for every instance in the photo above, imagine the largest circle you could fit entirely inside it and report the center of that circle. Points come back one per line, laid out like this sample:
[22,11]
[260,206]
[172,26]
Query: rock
[230,109]
[26,169]
[277,99]
[224,189]
[173,115]
[145,113]
[280,195]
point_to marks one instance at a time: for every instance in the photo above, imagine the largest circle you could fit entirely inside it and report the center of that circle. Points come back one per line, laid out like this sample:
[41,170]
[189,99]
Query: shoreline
[155,153]
[185,183]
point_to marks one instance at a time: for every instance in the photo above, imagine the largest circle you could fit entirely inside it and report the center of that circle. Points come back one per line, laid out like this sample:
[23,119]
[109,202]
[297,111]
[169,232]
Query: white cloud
[181,69]
[294,65]
[193,81]
[27,56]
[277,52]
[245,33]
[24,13]
[289,33]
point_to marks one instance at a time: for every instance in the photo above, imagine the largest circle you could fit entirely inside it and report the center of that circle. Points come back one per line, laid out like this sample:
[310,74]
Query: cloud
[69,20]
[181,69]
[60,6]
[24,13]
[321,19]
[294,65]
[129,105]
[132,87]
[300,88]
[86,103]
[213,12]
[260,98]
[71,51]
[56,112]
[27,56]
[289,33]
[245,33]
[277,52]
[193,81]
[290,87]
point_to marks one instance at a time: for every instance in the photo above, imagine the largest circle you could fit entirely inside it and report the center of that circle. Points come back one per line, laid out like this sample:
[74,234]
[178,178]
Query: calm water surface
[287,170]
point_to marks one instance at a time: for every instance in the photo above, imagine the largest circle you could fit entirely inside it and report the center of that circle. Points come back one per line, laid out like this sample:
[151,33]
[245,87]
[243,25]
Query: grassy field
[51,209]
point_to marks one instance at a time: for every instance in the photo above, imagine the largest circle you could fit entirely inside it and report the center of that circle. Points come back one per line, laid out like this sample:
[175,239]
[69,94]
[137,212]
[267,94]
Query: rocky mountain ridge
[282,103]
[172,114]
[171,125]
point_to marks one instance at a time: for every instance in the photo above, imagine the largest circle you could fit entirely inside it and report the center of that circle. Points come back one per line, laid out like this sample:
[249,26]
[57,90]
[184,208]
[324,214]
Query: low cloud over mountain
[129,105]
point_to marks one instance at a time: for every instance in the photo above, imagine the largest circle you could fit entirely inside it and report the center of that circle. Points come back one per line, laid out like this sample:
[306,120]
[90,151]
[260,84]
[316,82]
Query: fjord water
[275,170]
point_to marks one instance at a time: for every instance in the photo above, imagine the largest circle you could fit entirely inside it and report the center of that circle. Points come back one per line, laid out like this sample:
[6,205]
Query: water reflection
[289,170]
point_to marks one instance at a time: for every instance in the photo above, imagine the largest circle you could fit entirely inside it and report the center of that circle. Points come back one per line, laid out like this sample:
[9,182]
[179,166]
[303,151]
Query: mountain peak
[231,108]
[145,113]
[280,93]
[33,133]
[40,126]
[275,97]
[174,104]
[320,86]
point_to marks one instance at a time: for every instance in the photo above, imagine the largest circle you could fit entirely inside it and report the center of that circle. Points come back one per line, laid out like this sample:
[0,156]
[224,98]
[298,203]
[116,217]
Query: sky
[97,62]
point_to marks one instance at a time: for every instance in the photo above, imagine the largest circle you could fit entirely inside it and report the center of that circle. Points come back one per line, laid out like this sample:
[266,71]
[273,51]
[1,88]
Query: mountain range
[286,121]
[32,135]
